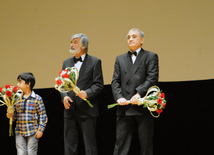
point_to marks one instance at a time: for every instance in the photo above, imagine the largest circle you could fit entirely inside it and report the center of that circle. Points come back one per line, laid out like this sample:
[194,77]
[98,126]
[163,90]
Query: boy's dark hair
[28,77]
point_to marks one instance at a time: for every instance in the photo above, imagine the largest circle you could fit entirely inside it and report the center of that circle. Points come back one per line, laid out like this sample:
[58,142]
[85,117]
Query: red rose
[58,82]
[60,72]
[66,70]
[162,95]
[65,75]
[164,104]
[1,89]
[15,89]
[7,86]
[8,93]
[159,100]
[159,111]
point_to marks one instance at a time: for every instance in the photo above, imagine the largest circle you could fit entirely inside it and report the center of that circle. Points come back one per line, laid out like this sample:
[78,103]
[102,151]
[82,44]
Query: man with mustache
[79,118]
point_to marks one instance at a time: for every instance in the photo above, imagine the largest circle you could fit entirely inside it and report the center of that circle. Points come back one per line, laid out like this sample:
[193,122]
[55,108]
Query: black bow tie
[77,59]
[130,53]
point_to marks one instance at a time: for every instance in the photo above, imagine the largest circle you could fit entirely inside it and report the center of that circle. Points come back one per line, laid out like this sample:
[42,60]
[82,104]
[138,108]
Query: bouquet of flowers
[154,100]
[10,96]
[67,81]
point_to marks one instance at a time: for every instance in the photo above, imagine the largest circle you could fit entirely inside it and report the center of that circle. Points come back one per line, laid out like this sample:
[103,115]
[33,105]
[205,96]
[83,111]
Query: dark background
[184,128]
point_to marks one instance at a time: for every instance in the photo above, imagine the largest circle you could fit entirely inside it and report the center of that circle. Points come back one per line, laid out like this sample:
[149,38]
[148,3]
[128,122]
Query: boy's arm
[43,119]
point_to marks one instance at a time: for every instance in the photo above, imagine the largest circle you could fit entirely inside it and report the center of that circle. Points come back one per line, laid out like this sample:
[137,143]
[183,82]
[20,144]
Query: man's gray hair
[83,40]
[140,32]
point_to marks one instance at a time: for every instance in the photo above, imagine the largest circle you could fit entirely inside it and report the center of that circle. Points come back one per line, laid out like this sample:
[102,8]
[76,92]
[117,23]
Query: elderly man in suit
[134,73]
[79,118]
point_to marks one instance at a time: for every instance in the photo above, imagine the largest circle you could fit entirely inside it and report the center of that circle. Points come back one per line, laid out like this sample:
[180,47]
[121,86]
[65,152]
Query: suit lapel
[135,66]
[128,62]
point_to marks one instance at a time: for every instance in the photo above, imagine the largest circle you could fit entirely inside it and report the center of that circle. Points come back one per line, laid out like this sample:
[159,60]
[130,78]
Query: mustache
[71,49]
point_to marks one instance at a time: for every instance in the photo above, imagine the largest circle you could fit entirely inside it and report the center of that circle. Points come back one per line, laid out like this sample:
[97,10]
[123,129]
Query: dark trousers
[125,127]
[86,127]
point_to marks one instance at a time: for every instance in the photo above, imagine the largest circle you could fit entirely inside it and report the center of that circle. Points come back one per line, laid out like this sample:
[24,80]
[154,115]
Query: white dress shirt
[78,64]
[134,57]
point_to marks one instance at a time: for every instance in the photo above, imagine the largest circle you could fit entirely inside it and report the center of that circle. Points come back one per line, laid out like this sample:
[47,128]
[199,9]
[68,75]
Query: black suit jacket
[129,78]
[90,80]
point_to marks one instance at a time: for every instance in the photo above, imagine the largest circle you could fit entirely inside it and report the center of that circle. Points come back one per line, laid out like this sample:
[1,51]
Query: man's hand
[134,99]
[66,102]
[82,94]
[38,134]
[122,101]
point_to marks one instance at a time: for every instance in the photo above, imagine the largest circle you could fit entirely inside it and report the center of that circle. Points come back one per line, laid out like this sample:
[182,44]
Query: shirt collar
[138,50]
[83,56]
[32,95]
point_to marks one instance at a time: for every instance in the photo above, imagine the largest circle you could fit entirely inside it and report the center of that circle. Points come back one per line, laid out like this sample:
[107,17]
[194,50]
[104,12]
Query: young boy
[30,114]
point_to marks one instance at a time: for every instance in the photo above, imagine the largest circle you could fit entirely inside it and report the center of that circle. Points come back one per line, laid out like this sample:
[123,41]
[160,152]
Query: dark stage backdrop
[185,127]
